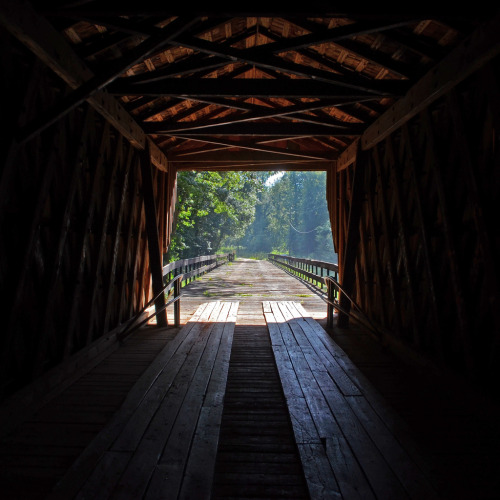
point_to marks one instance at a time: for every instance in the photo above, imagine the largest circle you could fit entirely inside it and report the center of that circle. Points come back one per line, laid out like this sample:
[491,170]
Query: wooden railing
[316,272]
[175,275]
[196,266]
[322,274]
[313,271]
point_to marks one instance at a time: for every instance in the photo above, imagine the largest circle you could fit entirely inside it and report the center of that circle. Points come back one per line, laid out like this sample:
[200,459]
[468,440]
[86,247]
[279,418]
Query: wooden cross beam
[289,129]
[324,35]
[295,112]
[259,87]
[258,147]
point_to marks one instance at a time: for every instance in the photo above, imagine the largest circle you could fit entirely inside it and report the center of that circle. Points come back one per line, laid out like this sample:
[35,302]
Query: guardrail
[313,271]
[196,266]
[176,273]
[322,273]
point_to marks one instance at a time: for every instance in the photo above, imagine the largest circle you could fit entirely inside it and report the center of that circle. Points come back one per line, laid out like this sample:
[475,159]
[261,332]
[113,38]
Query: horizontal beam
[290,129]
[482,46]
[241,156]
[256,166]
[242,87]
[348,156]
[287,153]
[20,19]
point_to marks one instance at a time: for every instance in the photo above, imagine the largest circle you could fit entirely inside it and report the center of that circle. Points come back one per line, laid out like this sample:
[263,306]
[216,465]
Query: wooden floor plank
[168,477]
[257,456]
[449,435]
[147,451]
[133,431]
[148,457]
[372,401]
[200,468]
[359,444]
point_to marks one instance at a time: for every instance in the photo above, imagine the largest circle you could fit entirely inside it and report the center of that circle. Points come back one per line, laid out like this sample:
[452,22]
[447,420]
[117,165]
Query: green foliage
[291,217]
[211,206]
[219,212]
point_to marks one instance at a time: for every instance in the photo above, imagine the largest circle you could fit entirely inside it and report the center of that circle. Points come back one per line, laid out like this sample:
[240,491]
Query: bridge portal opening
[254,213]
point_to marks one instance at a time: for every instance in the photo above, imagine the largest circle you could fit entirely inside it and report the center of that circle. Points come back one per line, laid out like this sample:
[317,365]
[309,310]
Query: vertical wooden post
[177,303]
[155,260]
[331,297]
[353,236]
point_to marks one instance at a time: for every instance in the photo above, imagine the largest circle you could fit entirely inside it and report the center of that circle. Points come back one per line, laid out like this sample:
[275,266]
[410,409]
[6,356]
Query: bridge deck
[258,454]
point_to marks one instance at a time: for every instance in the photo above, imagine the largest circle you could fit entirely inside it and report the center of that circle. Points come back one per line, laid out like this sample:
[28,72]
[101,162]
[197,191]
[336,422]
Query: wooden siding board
[403,229]
[433,163]
[424,238]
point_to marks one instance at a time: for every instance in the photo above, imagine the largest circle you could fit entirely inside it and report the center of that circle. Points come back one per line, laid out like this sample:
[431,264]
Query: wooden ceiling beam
[257,166]
[20,19]
[396,67]
[384,87]
[195,63]
[257,147]
[289,129]
[189,66]
[351,45]
[261,87]
[232,156]
[324,35]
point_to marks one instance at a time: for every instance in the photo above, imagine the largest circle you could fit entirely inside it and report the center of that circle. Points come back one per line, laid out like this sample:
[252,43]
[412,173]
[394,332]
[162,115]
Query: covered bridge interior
[104,102]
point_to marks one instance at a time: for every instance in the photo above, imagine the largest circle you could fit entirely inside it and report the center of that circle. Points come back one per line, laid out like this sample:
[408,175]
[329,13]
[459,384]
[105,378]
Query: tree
[292,217]
[211,206]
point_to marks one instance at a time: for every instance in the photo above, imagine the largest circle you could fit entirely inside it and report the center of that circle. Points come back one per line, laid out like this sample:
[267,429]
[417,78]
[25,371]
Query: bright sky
[274,178]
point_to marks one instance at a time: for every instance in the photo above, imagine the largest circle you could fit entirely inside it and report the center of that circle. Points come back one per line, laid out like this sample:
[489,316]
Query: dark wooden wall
[415,221]
[74,259]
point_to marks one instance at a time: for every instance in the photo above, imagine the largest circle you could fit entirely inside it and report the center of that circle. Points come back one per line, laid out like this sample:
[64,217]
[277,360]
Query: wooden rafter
[214,87]
[293,112]
[290,129]
[258,147]
[336,34]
